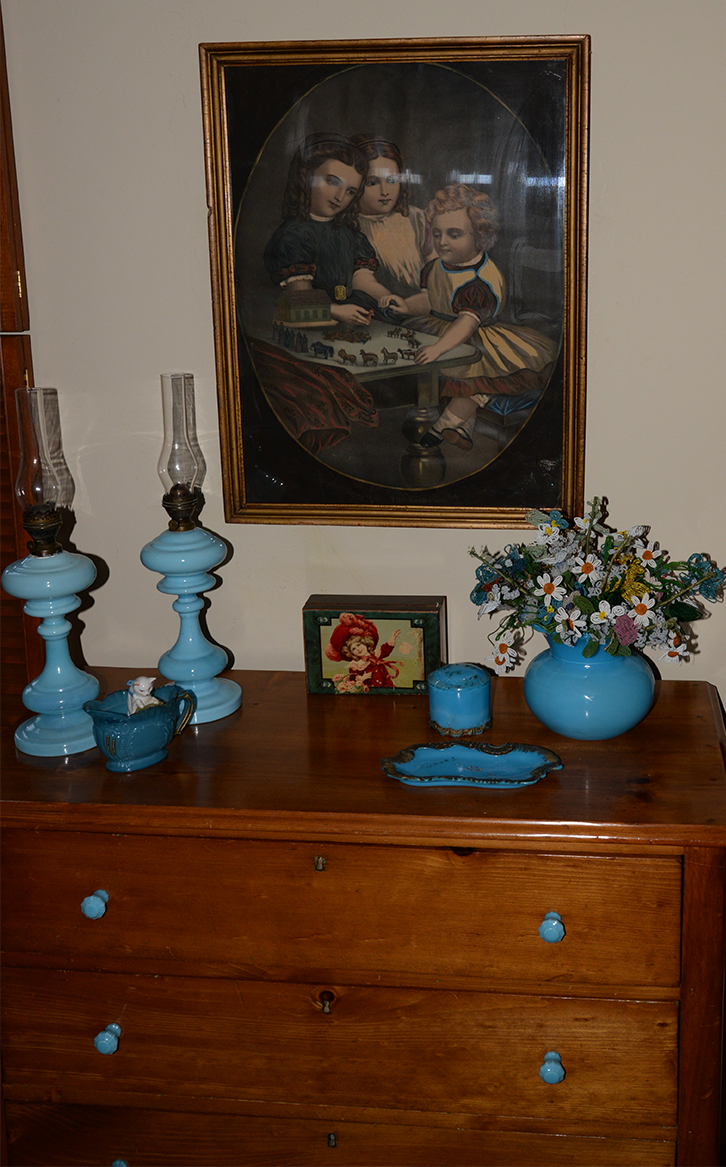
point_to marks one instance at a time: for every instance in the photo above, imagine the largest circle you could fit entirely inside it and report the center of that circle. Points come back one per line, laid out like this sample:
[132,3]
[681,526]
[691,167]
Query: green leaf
[613,646]
[685,613]
[591,648]
[586,606]
[534,518]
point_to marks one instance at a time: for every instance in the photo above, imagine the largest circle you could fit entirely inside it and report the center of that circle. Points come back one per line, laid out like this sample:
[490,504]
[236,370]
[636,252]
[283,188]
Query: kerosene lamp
[184,553]
[47,579]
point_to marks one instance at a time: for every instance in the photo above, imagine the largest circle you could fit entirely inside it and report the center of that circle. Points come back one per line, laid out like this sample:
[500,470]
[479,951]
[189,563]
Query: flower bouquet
[586,583]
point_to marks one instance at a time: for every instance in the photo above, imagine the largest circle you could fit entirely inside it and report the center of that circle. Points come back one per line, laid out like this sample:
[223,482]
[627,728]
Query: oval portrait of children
[398,264]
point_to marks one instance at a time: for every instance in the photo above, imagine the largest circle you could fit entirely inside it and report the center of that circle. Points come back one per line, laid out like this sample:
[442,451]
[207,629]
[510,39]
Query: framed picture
[398,252]
[373,644]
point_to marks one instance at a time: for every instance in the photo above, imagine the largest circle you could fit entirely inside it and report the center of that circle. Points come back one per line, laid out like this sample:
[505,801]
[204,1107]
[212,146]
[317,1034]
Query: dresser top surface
[290,764]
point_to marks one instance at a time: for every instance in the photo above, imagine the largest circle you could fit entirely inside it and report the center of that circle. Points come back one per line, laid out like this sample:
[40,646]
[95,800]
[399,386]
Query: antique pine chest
[300,960]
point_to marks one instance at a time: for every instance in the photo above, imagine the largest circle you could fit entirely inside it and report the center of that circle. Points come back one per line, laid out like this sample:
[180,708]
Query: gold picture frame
[325,418]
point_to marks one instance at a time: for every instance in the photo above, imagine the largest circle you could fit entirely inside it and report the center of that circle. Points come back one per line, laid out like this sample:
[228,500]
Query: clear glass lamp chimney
[44,481]
[181,465]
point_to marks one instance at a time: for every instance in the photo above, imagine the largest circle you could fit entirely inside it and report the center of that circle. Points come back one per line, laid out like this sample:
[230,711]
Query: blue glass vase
[588,698]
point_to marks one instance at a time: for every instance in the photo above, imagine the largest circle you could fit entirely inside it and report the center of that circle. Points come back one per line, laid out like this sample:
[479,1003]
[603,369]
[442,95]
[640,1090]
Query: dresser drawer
[236,907]
[85,1136]
[383,1049]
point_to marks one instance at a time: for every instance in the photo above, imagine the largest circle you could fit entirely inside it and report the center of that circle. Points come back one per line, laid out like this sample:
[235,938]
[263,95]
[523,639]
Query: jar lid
[464,675]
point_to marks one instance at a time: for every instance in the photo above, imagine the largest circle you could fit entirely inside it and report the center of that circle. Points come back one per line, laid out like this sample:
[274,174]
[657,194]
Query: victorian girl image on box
[354,641]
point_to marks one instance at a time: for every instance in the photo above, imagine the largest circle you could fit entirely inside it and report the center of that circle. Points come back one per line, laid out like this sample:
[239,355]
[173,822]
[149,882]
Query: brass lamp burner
[42,522]
[181,504]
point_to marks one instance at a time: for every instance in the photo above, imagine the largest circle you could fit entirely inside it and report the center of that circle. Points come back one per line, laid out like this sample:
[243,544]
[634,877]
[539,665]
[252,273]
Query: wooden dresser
[304,961]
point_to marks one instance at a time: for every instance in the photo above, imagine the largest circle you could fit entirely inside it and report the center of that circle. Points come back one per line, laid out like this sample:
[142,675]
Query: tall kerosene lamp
[47,579]
[184,554]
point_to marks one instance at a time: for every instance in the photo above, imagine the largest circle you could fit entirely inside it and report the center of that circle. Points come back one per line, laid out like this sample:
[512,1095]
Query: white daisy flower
[677,649]
[640,613]
[550,588]
[547,531]
[605,614]
[646,552]
[570,625]
[588,569]
[505,657]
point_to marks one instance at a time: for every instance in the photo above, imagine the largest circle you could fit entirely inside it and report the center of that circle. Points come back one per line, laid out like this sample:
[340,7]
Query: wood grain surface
[83,1136]
[378,914]
[384,1049]
[311,765]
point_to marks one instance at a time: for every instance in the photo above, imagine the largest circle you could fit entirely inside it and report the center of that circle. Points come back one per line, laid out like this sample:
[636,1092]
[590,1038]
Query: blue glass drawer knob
[552,929]
[551,1070]
[106,1042]
[94,906]
[119,1163]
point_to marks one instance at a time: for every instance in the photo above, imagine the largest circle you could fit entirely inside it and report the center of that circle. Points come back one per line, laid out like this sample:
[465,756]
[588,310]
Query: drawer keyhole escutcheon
[93,907]
[332,1141]
[326,999]
[552,1070]
[106,1042]
[552,929]
[319,863]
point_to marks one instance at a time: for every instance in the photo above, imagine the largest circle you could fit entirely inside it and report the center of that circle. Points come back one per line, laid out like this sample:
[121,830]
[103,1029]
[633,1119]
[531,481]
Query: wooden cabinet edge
[351,828]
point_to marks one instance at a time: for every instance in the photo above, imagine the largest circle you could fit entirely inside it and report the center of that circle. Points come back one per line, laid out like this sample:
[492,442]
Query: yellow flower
[632,582]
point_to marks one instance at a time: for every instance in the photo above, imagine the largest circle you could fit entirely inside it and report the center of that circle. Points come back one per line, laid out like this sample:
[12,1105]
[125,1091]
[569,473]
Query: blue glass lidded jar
[460,700]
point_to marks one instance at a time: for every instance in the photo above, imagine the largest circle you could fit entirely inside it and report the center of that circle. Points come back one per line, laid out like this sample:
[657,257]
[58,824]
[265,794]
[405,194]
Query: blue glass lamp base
[216,697]
[56,696]
[49,735]
[184,558]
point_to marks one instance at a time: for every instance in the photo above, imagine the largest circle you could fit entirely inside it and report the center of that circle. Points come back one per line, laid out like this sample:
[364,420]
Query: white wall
[105,98]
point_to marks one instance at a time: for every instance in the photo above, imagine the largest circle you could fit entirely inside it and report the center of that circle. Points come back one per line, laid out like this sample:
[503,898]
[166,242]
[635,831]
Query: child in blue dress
[319,241]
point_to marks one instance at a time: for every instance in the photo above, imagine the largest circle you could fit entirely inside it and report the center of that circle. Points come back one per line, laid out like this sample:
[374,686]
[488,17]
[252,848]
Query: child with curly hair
[463,291]
[354,639]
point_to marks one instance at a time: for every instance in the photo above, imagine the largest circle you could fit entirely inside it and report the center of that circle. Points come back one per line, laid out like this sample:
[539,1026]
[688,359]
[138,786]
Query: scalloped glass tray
[471,764]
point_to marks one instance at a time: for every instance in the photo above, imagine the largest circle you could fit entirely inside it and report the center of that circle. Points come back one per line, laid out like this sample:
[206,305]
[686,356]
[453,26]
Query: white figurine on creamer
[140,694]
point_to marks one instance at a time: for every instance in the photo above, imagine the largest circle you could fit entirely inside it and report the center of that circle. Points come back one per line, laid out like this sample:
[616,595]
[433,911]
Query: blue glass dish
[471,764]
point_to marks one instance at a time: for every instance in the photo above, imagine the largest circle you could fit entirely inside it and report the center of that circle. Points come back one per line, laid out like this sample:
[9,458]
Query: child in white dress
[400,233]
